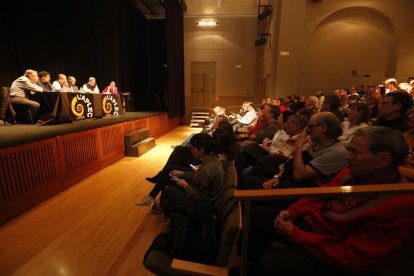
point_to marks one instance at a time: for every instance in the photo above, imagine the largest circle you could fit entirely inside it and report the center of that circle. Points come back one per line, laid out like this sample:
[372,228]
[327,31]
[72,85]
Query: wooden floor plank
[93,228]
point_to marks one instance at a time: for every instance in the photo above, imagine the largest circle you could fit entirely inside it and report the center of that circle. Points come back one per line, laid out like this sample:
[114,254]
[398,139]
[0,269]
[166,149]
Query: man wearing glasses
[392,112]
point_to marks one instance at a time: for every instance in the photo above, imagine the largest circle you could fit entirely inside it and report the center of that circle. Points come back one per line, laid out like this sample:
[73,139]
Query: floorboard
[93,228]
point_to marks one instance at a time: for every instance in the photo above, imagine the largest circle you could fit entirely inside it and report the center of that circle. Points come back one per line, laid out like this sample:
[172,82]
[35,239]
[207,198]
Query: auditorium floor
[93,228]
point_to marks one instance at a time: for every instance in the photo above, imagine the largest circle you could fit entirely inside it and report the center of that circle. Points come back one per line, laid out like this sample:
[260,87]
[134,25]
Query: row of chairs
[238,222]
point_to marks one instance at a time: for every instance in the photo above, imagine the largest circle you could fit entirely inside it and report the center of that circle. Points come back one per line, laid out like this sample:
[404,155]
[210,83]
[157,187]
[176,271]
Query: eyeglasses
[312,126]
[386,102]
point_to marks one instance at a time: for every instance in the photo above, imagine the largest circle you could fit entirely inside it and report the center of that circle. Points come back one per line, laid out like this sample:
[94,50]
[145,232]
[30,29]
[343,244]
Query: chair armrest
[197,268]
[292,193]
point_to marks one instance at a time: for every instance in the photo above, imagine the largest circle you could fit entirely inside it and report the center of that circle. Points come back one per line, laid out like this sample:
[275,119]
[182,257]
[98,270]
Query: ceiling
[154,9]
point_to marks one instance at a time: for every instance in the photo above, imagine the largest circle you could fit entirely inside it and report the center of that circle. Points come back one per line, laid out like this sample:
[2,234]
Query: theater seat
[159,263]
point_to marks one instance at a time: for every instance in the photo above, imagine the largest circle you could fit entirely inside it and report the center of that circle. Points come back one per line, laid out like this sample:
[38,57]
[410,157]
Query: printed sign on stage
[110,106]
[81,106]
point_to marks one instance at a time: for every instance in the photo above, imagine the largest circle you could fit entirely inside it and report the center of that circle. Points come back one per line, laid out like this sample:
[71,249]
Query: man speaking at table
[19,94]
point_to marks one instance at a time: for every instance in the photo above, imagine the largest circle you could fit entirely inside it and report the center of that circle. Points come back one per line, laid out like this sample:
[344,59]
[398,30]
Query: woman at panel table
[110,89]
[91,86]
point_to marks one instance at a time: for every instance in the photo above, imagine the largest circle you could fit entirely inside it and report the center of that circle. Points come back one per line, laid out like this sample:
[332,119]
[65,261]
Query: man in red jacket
[357,234]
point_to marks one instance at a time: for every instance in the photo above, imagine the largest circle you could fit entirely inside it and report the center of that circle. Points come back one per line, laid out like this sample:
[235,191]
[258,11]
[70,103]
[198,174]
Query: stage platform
[18,134]
[38,162]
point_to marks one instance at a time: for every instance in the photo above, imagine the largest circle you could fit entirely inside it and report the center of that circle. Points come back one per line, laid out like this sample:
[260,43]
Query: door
[203,83]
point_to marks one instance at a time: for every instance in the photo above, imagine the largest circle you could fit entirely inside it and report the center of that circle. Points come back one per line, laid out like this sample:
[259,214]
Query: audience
[354,234]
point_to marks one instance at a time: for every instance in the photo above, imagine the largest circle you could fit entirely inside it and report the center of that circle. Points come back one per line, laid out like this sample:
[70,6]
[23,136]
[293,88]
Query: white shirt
[248,117]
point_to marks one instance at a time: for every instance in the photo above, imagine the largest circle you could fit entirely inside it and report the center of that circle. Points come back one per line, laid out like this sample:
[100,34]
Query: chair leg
[30,116]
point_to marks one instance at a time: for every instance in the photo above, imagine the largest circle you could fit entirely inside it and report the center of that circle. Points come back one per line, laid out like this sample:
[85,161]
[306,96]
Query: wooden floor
[93,228]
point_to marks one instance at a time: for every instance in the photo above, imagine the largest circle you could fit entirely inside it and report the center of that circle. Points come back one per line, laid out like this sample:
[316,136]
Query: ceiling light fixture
[207,23]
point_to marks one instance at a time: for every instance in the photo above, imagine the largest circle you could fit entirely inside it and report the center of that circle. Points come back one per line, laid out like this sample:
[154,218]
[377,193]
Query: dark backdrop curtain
[107,39]
[175,57]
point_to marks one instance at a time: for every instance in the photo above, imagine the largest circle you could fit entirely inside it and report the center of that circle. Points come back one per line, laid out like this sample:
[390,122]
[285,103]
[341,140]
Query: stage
[38,162]
[18,134]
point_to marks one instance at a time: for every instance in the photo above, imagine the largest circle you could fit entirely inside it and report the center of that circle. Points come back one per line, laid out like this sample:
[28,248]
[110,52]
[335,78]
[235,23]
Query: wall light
[207,23]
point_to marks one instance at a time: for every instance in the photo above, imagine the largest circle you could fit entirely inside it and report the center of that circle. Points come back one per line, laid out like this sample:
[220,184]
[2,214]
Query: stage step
[136,136]
[140,148]
[198,118]
[138,142]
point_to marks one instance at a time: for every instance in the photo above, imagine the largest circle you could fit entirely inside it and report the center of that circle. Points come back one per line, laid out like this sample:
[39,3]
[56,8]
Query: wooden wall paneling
[79,154]
[28,177]
[141,123]
[112,141]
[153,123]
[128,127]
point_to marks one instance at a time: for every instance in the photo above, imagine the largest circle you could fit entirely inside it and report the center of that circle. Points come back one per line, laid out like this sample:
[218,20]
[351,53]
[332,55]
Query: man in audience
[358,234]
[269,129]
[247,119]
[311,107]
[266,159]
[20,90]
[44,81]
[320,162]
[390,85]
[61,84]
[392,112]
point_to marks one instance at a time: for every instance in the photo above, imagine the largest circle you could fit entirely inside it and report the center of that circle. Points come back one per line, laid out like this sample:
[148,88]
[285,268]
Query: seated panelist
[111,89]
[90,86]
[20,90]
[61,84]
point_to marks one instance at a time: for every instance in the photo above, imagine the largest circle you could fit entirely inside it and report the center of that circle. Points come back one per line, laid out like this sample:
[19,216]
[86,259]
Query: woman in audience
[332,104]
[203,186]
[373,104]
[183,159]
[358,117]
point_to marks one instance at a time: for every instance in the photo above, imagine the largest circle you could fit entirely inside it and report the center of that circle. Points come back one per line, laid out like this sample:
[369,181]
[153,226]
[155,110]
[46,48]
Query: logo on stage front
[82,107]
[110,106]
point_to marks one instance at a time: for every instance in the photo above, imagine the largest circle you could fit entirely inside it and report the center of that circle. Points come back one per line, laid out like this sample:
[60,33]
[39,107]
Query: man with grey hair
[310,108]
[20,90]
[353,234]
[320,161]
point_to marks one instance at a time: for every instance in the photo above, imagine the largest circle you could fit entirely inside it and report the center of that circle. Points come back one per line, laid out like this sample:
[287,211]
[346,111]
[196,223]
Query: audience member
[269,129]
[311,107]
[393,110]
[357,118]
[322,160]
[270,156]
[44,81]
[248,117]
[390,85]
[332,104]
